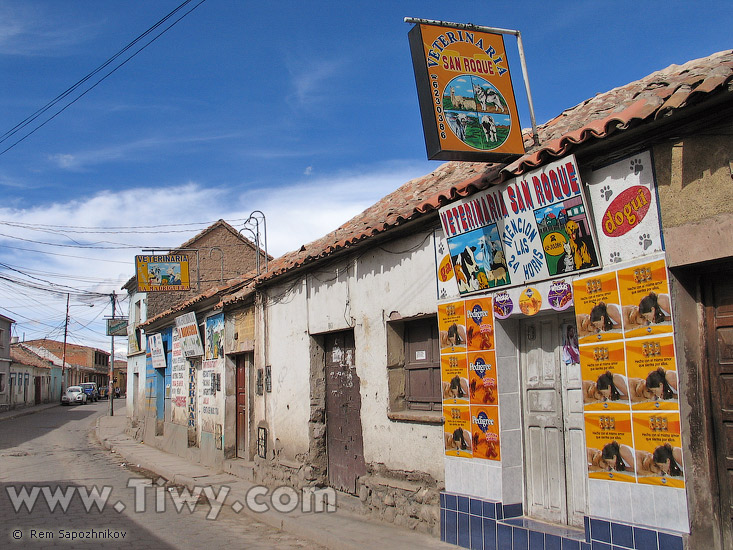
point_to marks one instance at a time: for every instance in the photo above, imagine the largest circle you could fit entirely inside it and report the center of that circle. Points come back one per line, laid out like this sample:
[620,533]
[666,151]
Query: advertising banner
[188,332]
[457,430]
[610,446]
[465,94]
[483,386]
[447,287]
[479,324]
[652,374]
[597,308]
[454,379]
[179,374]
[624,202]
[658,449]
[157,352]
[215,336]
[645,299]
[605,385]
[162,273]
[485,432]
[533,228]
[452,326]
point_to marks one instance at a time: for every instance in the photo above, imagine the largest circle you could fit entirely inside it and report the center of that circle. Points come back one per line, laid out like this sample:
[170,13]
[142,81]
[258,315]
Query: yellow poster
[658,449]
[597,308]
[479,324]
[652,370]
[457,430]
[644,291]
[482,383]
[485,432]
[452,326]
[605,386]
[454,378]
[610,446]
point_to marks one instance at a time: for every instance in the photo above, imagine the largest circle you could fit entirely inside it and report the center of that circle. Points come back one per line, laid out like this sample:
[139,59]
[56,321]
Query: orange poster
[610,446]
[479,324]
[457,430]
[597,308]
[644,291]
[652,370]
[485,432]
[603,370]
[658,449]
[482,383]
[452,326]
[454,378]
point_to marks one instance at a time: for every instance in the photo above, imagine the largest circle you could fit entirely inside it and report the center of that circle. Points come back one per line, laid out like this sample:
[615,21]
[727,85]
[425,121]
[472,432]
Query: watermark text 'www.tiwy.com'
[257,499]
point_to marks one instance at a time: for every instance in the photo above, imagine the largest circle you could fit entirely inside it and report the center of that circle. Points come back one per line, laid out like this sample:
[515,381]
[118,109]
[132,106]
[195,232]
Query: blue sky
[305,110]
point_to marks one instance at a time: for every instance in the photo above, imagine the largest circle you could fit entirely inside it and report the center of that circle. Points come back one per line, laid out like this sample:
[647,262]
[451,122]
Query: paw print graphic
[441,249]
[645,241]
[606,192]
[615,257]
[443,293]
[636,166]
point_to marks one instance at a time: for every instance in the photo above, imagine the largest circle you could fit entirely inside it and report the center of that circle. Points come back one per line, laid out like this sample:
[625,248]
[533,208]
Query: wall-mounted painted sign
[157,351]
[447,287]
[534,227]
[162,273]
[624,200]
[188,332]
[215,336]
[116,327]
[465,93]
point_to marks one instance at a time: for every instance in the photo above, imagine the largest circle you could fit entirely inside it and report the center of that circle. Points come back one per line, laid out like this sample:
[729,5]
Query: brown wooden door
[719,312]
[37,382]
[242,362]
[345,445]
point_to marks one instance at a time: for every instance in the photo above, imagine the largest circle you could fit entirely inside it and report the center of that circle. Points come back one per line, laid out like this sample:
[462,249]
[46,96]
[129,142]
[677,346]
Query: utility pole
[112,364]
[63,357]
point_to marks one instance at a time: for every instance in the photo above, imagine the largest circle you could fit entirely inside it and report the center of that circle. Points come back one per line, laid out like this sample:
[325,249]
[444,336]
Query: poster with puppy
[457,430]
[610,446]
[454,379]
[652,370]
[482,383]
[645,301]
[658,448]
[479,324]
[485,432]
[603,369]
[597,308]
[452,326]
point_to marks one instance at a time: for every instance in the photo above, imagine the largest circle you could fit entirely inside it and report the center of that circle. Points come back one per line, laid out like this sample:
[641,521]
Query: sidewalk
[15,413]
[339,530]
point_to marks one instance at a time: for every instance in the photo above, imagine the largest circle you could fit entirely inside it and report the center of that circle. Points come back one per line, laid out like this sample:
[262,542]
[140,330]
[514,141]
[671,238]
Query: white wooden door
[555,463]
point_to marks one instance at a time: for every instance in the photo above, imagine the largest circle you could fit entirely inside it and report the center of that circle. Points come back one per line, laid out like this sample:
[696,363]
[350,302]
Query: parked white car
[74,395]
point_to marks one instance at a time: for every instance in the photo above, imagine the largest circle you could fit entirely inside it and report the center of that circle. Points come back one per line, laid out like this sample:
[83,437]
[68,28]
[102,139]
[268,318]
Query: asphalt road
[53,455]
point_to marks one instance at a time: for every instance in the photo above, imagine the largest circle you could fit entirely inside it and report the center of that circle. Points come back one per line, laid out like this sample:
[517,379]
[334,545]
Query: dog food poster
[610,446]
[645,299]
[479,324]
[452,326]
[597,308]
[485,432]
[603,370]
[447,287]
[658,447]
[624,201]
[457,430]
[482,382]
[478,260]
[652,370]
[454,379]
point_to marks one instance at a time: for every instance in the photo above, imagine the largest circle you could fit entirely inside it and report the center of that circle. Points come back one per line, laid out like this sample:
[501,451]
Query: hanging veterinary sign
[162,273]
[532,228]
[465,93]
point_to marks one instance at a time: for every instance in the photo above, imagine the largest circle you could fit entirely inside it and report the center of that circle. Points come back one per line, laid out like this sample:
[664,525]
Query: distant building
[35,376]
[83,363]
[6,324]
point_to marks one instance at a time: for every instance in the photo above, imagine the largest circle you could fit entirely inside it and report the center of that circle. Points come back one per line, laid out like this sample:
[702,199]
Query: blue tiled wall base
[489,525]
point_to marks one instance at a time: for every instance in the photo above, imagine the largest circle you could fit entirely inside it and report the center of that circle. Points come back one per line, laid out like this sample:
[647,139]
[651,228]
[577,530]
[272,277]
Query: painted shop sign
[157,352]
[188,332]
[532,228]
[625,206]
[162,273]
[465,94]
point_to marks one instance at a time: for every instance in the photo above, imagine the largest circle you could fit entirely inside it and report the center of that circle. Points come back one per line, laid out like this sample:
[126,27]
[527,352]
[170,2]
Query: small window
[2,382]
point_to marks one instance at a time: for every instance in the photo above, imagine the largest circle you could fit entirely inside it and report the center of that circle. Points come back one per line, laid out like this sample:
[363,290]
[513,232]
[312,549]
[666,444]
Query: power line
[73,88]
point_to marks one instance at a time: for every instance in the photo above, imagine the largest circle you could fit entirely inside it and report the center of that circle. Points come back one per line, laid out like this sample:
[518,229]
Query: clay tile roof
[25,356]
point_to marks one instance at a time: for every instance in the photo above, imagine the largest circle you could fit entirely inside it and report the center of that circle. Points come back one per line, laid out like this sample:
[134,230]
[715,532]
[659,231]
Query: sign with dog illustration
[597,308]
[652,373]
[485,432]
[162,273]
[605,384]
[645,299]
[533,228]
[457,431]
[465,94]
[658,447]
[610,446]
[452,326]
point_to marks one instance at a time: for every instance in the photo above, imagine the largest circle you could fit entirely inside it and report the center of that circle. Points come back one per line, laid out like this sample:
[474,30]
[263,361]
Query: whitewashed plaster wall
[359,293]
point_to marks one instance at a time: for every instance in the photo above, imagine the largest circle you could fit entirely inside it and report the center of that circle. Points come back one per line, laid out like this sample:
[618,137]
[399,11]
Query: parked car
[90,388]
[103,392]
[74,395]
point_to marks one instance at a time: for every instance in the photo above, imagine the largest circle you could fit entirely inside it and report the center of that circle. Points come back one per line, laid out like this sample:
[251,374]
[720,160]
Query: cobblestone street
[55,449]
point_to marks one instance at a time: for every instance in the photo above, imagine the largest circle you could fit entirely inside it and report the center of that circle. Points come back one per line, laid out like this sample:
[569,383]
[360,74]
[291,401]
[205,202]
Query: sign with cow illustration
[533,228]
[465,93]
